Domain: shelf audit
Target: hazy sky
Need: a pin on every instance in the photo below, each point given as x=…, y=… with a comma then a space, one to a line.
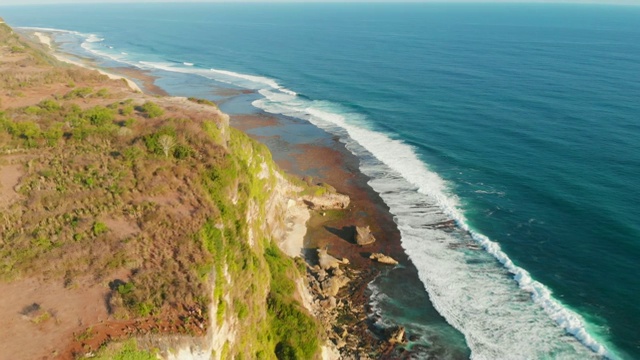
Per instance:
x=25, y=2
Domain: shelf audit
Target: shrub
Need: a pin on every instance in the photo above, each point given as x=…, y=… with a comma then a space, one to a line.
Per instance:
x=182, y=151
x=99, y=228
x=102, y=93
x=127, y=351
x=27, y=130
x=53, y=135
x=80, y=92
x=132, y=153
x=32, y=110
x=49, y=105
x=129, y=122
x=99, y=115
x=125, y=289
x=127, y=110
x=284, y=351
x=151, y=110
x=203, y=101
x=153, y=142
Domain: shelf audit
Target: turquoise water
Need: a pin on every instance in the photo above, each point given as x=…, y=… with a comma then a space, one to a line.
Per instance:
x=521, y=122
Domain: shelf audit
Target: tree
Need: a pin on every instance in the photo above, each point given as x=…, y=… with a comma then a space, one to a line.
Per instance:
x=167, y=142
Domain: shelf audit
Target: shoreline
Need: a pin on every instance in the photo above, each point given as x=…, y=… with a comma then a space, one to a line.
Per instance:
x=339, y=168
x=332, y=163
x=46, y=40
x=307, y=229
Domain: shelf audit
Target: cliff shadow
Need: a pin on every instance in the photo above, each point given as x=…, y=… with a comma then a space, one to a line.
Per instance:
x=346, y=233
x=311, y=256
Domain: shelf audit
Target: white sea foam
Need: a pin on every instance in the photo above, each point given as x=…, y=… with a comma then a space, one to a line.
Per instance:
x=255, y=79
x=476, y=297
x=49, y=30
x=187, y=64
x=92, y=38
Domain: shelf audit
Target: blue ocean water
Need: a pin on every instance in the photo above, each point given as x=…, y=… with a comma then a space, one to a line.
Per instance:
x=521, y=122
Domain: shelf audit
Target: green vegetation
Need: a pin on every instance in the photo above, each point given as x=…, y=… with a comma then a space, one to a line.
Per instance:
x=78, y=93
x=99, y=228
x=17, y=49
x=287, y=331
x=295, y=332
x=99, y=115
x=203, y=102
x=151, y=110
x=127, y=110
x=124, y=351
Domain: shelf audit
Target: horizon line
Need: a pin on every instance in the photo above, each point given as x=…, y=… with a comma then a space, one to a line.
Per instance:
x=302, y=2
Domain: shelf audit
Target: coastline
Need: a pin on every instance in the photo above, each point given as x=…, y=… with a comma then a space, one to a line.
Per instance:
x=326, y=160
x=308, y=230
x=46, y=40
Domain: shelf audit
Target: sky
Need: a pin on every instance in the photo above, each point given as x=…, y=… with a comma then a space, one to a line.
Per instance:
x=53, y=2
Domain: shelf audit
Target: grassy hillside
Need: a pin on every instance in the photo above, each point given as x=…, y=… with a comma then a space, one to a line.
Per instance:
x=156, y=200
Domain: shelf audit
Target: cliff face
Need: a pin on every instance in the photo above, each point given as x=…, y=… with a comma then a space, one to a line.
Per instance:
x=254, y=287
x=130, y=217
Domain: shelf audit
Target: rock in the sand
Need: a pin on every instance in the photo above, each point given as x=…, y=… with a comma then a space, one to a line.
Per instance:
x=329, y=303
x=364, y=236
x=331, y=286
x=327, y=261
x=322, y=274
x=327, y=201
x=383, y=259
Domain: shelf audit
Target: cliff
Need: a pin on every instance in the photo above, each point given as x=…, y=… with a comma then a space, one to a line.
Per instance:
x=138, y=225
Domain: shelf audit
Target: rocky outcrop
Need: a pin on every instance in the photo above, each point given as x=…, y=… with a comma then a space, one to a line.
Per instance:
x=332, y=285
x=364, y=236
x=327, y=261
x=383, y=259
x=396, y=335
x=327, y=201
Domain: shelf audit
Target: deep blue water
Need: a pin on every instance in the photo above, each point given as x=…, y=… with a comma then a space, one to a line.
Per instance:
x=521, y=122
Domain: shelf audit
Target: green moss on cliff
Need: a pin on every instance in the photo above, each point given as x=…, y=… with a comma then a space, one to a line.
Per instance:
x=240, y=189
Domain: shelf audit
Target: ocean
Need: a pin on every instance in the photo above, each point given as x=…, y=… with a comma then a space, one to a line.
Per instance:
x=520, y=122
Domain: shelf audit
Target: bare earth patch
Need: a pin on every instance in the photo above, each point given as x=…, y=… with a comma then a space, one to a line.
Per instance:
x=9, y=177
x=38, y=316
x=122, y=228
x=173, y=203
